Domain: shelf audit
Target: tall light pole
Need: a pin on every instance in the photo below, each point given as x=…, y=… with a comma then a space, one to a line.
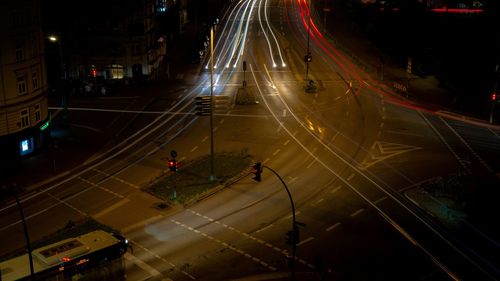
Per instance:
x=212, y=161
x=26, y=235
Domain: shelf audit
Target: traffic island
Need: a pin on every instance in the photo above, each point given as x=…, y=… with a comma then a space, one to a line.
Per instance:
x=459, y=200
x=245, y=96
x=191, y=182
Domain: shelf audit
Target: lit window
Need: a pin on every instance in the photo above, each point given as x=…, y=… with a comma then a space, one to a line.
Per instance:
x=21, y=85
x=19, y=51
x=25, y=118
x=117, y=71
x=37, y=113
x=162, y=6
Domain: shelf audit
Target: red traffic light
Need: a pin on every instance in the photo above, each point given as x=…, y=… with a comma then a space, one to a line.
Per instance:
x=494, y=96
x=172, y=165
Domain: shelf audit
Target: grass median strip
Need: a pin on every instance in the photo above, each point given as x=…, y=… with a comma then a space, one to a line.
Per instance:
x=192, y=180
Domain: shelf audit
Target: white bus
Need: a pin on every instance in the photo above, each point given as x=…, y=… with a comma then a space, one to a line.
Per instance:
x=66, y=258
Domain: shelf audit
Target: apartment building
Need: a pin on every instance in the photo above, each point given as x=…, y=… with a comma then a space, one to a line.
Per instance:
x=24, y=116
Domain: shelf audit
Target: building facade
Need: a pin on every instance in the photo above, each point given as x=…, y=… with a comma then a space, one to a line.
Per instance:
x=24, y=113
x=115, y=39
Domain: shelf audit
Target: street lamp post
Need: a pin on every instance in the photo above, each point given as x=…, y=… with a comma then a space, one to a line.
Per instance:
x=212, y=161
x=25, y=228
x=64, y=96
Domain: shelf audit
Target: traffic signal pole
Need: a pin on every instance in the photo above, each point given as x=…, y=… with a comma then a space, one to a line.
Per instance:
x=295, y=231
x=494, y=95
x=308, y=30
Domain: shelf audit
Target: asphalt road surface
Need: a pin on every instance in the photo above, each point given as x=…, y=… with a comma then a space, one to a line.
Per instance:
x=347, y=152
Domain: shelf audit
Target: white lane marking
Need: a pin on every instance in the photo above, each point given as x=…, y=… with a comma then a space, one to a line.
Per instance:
x=310, y=164
x=222, y=121
x=292, y=179
x=466, y=168
x=117, y=179
x=330, y=228
x=380, y=200
x=357, y=212
x=193, y=149
x=495, y=133
x=336, y=189
x=286, y=142
x=144, y=266
x=63, y=202
x=111, y=208
x=467, y=145
x=141, y=223
x=100, y=187
x=291, y=215
x=319, y=201
x=260, y=241
x=264, y=228
x=204, y=139
x=284, y=112
x=276, y=152
x=305, y=241
x=385, y=150
x=161, y=258
x=350, y=177
x=236, y=250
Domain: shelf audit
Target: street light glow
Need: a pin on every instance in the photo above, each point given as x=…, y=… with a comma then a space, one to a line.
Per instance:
x=53, y=38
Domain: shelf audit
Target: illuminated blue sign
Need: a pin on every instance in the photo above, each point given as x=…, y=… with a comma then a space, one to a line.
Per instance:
x=26, y=146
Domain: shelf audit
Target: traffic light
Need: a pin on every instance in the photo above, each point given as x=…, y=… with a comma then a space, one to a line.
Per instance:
x=494, y=96
x=308, y=58
x=292, y=237
x=257, y=170
x=203, y=105
x=172, y=165
x=289, y=237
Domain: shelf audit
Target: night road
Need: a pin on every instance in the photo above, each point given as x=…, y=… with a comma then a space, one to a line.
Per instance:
x=355, y=153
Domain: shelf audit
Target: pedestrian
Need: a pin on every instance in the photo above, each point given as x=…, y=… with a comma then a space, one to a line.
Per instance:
x=103, y=91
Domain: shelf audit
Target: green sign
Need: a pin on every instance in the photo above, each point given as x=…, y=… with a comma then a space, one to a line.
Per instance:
x=44, y=126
